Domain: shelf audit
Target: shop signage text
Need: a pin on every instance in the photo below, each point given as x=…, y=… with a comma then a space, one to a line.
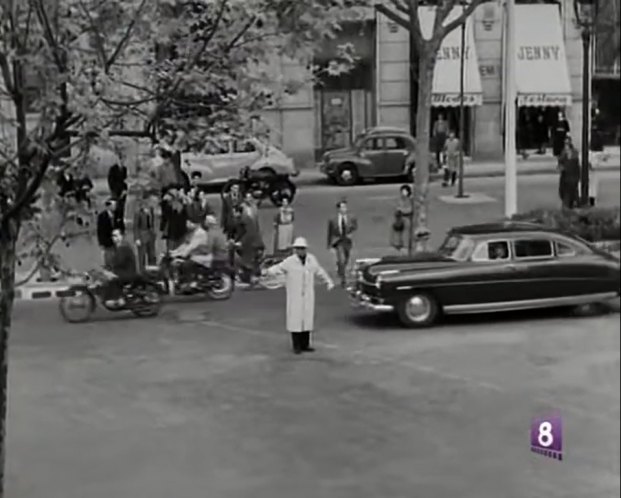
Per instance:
x=537, y=53
x=452, y=99
x=451, y=53
x=544, y=100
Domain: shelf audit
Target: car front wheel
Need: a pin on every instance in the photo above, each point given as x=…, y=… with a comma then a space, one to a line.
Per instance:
x=347, y=175
x=418, y=310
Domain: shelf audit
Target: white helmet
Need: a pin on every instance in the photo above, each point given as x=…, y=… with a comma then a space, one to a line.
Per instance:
x=300, y=243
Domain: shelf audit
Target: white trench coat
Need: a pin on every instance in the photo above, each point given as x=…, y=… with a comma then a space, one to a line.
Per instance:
x=300, y=286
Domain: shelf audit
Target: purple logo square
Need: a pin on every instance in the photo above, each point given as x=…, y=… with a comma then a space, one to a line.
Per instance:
x=546, y=436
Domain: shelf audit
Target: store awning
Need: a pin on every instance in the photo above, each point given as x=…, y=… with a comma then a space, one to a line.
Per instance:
x=541, y=65
x=445, y=92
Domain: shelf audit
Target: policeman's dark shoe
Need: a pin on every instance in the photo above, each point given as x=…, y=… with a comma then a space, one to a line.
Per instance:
x=308, y=350
x=297, y=351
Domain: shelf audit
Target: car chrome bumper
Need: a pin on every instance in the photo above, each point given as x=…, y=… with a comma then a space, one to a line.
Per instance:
x=360, y=300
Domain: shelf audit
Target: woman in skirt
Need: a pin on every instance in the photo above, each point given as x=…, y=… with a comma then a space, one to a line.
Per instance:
x=283, y=227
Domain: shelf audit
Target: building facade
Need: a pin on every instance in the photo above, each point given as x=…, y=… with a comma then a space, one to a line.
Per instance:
x=549, y=67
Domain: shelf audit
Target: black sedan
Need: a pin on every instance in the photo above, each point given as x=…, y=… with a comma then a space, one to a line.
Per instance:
x=488, y=268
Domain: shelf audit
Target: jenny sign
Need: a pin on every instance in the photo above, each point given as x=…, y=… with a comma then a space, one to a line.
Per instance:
x=539, y=53
x=452, y=53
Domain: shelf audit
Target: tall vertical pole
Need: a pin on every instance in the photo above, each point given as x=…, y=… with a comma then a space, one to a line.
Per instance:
x=462, y=117
x=510, y=114
x=377, y=68
x=586, y=109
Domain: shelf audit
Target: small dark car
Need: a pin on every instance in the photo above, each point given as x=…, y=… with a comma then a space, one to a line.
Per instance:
x=382, y=152
x=488, y=268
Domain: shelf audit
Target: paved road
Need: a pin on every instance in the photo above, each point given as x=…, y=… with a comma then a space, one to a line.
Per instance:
x=373, y=204
x=207, y=400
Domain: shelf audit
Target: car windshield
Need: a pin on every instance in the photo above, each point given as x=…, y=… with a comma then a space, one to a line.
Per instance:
x=359, y=140
x=456, y=247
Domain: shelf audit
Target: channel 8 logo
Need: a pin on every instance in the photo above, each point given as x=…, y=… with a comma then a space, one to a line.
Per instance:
x=546, y=436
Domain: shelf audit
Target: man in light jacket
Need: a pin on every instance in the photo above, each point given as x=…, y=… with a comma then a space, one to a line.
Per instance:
x=300, y=270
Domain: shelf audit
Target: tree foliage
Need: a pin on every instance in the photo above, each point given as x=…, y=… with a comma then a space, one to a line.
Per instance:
x=201, y=67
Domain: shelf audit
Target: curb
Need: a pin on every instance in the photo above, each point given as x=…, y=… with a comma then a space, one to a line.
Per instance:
x=312, y=176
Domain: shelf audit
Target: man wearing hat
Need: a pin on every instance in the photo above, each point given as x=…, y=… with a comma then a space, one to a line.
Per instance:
x=300, y=270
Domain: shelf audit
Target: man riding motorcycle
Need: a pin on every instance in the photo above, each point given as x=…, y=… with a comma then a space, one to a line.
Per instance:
x=217, y=243
x=194, y=251
x=121, y=270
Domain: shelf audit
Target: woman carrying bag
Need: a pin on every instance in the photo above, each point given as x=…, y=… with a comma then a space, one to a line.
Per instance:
x=400, y=228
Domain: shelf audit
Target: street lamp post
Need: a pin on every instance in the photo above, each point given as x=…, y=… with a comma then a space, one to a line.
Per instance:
x=462, y=117
x=585, y=12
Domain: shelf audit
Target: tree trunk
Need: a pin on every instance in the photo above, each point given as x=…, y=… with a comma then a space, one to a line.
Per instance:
x=8, y=242
x=426, y=65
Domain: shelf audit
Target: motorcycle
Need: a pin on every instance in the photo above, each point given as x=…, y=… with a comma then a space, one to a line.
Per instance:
x=216, y=282
x=78, y=303
x=263, y=184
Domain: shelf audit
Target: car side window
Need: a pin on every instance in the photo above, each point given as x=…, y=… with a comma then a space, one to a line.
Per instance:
x=244, y=147
x=373, y=144
x=532, y=248
x=395, y=143
x=497, y=250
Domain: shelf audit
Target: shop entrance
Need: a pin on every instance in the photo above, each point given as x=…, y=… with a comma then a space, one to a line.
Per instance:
x=534, y=129
x=451, y=114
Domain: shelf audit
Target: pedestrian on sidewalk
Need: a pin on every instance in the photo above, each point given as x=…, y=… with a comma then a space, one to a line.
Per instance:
x=400, y=229
x=559, y=134
x=340, y=231
x=174, y=220
x=541, y=132
x=283, y=227
x=440, y=132
x=107, y=223
x=452, y=151
x=117, y=183
x=569, y=177
x=300, y=270
x=144, y=231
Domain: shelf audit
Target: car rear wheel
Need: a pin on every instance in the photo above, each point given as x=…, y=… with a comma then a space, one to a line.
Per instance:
x=418, y=310
x=347, y=175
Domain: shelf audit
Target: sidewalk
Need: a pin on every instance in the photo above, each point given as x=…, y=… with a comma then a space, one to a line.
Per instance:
x=533, y=165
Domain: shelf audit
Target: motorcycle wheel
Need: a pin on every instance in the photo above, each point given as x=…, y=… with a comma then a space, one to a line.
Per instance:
x=77, y=308
x=151, y=296
x=228, y=185
x=224, y=289
x=280, y=189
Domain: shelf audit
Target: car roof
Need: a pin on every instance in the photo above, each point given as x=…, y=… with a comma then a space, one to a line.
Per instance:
x=504, y=227
x=385, y=129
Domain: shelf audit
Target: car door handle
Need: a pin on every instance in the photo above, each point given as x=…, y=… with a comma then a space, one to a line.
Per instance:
x=511, y=267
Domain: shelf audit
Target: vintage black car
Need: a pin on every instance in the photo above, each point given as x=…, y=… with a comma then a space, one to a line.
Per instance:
x=486, y=268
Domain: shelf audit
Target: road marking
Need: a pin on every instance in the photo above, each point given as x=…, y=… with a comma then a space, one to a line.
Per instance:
x=378, y=358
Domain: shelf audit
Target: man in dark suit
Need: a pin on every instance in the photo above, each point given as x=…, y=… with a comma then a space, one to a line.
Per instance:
x=251, y=245
x=340, y=231
x=106, y=224
x=230, y=201
x=144, y=231
x=117, y=183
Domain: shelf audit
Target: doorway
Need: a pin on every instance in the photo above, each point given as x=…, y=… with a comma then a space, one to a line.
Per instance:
x=451, y=114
